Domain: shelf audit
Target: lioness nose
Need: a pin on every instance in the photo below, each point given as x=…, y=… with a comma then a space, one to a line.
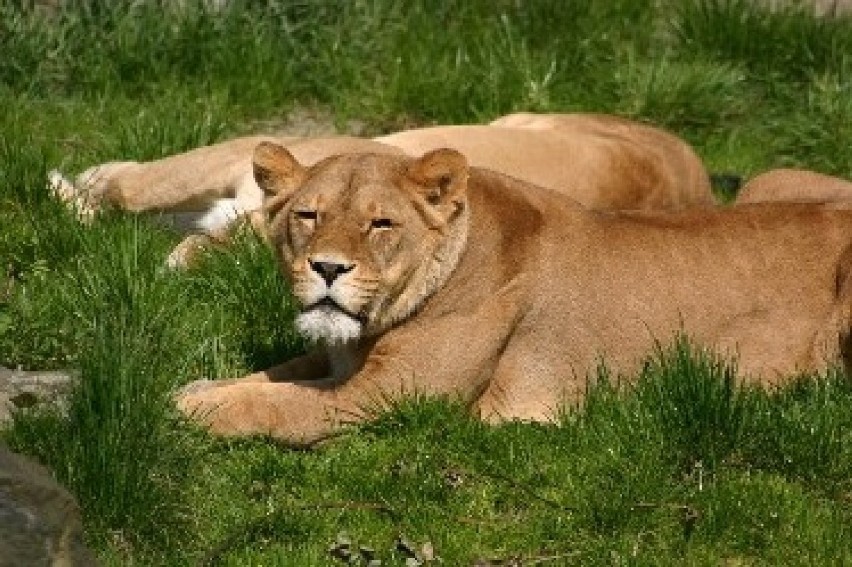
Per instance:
x=330, y=270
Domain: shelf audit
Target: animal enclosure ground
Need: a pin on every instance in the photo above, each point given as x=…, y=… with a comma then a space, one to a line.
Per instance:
x=682, y=469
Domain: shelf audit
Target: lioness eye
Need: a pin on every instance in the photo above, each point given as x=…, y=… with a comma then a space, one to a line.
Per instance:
x=381, y=223
x=307, y=215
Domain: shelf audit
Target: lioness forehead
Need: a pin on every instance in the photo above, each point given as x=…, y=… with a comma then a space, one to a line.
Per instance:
x=356, y=181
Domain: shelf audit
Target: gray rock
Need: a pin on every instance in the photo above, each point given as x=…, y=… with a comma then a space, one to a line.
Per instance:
x=39, y=520
x=23, y=389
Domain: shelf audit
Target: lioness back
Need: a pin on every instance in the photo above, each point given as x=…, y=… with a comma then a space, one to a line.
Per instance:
x=757, y=283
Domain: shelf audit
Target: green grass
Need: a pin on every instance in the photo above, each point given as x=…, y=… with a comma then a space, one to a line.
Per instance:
x=683, y=468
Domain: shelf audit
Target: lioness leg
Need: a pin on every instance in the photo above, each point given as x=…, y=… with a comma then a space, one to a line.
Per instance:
x=530, y=384
x=290, y=404
x=300, y=413
x=186, y=253
x=312, y=366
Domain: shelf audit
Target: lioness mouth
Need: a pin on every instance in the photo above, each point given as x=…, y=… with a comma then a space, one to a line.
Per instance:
x=327, y=303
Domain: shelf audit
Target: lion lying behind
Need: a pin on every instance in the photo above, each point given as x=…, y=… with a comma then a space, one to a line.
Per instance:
x=602, y=161
x=424, y=275
x=795, y=185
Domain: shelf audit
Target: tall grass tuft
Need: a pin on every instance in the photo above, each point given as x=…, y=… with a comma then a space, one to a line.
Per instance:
x=803, y=432
x=243, y=286
x=819, y=137
x=133, y=334
x=23, y=176
x=787, y=41
x=692, y=97
x=694, y=396
x=183, y=121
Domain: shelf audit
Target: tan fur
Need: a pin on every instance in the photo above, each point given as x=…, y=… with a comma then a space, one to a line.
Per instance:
x=602, y=161
x=507, y=296
x=193, y=180
x=795, y=185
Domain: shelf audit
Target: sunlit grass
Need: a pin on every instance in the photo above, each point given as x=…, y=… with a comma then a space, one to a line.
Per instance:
x=686, y=467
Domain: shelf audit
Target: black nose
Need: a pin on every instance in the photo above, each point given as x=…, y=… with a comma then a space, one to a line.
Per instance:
x=330, y=270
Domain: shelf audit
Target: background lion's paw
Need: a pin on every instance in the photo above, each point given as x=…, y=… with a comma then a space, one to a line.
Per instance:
x=60, y=187
x=66, y=192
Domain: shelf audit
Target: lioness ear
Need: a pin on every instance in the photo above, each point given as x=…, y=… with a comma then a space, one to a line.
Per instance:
x=276, y=171
x=441, y=177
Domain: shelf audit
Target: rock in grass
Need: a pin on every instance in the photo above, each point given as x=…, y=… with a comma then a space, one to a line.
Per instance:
x=23, y=389
x=39, y=520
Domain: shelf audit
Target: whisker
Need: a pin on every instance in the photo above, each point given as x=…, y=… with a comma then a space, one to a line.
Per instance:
x=356, y=286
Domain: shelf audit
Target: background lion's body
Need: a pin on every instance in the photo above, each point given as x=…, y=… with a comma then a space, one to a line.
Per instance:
x=601, y=161
x=795, y=185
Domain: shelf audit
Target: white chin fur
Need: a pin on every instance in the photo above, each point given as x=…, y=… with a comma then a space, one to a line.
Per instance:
x=328, y=325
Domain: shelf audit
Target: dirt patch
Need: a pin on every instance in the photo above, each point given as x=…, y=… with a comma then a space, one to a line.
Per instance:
x=821, y=7
x=305, y=121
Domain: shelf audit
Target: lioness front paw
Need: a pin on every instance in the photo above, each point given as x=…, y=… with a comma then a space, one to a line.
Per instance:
x=287, y=412
x=60, y=187
x=238, y=410
x=225, y=410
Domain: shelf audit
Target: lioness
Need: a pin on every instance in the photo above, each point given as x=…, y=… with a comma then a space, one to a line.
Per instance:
x=795, y=185
x=425, y=275
x=602, y=161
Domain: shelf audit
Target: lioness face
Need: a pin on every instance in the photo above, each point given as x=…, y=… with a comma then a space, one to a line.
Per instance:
x=364, y=239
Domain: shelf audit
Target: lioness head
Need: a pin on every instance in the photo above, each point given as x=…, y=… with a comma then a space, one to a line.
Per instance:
x=364, y=239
